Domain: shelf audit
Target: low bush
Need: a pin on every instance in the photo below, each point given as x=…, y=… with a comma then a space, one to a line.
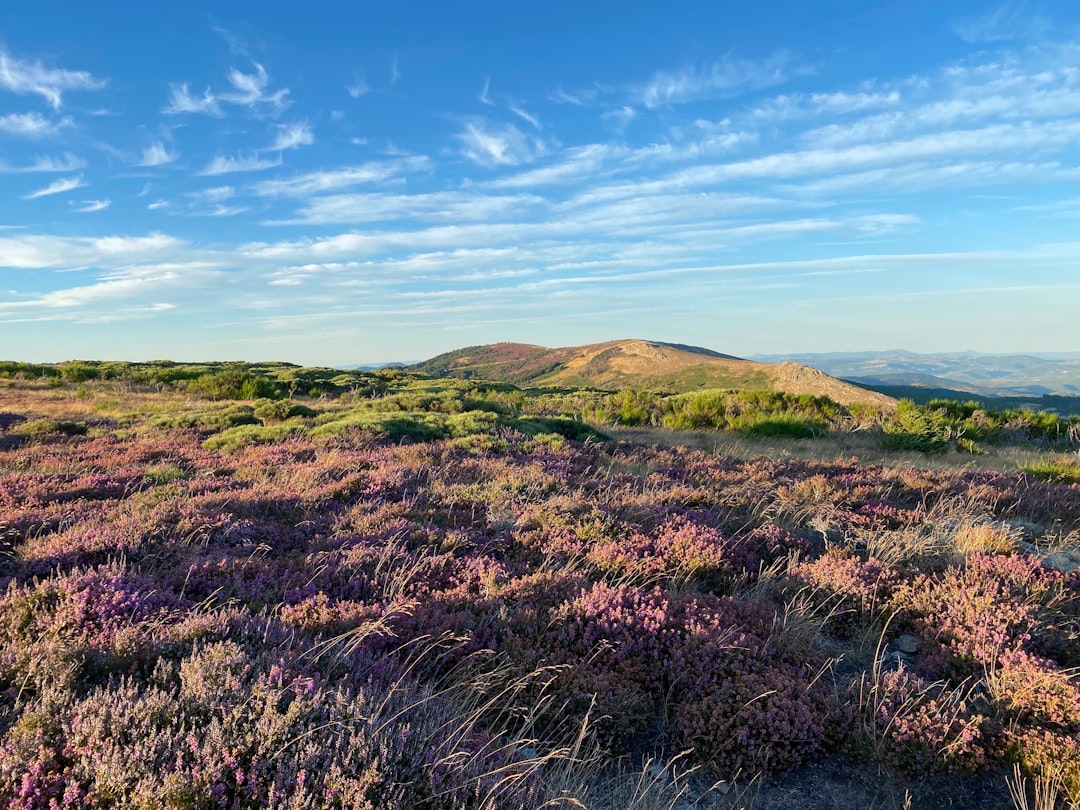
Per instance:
x=915, y=428
x=244, y=435
x=269, y=410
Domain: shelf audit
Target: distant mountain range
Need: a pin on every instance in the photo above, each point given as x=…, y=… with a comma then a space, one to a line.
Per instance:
x=639, y=364
x=1016, y=375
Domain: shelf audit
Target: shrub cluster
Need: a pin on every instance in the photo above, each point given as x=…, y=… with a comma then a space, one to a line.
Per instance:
x=356, y=621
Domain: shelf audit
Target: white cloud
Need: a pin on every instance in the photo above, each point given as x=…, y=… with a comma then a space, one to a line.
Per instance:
x=450, y=206
x=317, y=182
x=358, y=88
x=877, y=224
x=216, y=194
x=157, y=154
x=49, y=83
x=57, y=187
x=580, y=163
x=725, y=77
x=43, y=163
x=157, y=205
x=250, y=163
x=32, y=125
x=489, y=145
x=484, y=98
x=181, y=101
x=525, y=115
x=249, y=89
x=1009, y=20
x=292, y=136
x=89, y=206
x=36, y=251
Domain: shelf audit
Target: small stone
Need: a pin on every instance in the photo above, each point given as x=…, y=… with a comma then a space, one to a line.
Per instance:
x=1062, y=561
x=906, y=644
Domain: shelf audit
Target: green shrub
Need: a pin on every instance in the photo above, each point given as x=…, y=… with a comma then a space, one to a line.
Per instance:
x=237, y=437
x=1061, y=472
x=54, y=427
x=270, y=410
x=210, y=420
x=164, y=474
x=233, y=384
x=567, y=428
x=784, y=425
x=916, y=428
x=395, y=426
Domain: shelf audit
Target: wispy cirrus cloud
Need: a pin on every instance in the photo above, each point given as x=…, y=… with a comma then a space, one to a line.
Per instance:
x=1009, y=20
x=304, y=185
x=157, y=154
x=248, y=90
x=725, y=77
x=182, y=101
x=222, y=164
x=68, y=162
x=484, y=98
x=32, y=125
x=35, y=251
x=216, y=194
x=445, y=206
x=89, y=206
x=490, y=144
x=525, y=115
x=359, y=87
x=292, y=136
x=25, y=77
x=57, y=187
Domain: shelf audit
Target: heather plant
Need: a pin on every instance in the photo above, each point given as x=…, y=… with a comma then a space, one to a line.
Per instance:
x=371, y=619
x=916, y=725
x=854, y=591
x=984, y=610
x=271, y=734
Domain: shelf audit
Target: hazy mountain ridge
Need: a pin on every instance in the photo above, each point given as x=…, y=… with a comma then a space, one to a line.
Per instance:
x=640, y=364
x=970, y=372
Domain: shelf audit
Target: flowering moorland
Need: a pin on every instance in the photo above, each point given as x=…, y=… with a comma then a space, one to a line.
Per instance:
x=334, y=619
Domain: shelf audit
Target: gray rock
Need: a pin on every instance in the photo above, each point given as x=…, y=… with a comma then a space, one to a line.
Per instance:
x=906, y=644
x=1065, y=561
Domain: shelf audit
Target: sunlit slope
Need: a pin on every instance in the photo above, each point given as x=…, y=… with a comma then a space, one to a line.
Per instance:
x=639, y=364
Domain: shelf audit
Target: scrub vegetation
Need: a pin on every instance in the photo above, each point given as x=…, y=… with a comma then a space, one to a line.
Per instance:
x=258, y=585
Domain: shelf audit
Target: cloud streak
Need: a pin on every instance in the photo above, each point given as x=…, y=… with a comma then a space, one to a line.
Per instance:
x=222, y=164
x=723, y=78
x=33, y=78
x=32, y=125
x=292, y=136
x=60, y=186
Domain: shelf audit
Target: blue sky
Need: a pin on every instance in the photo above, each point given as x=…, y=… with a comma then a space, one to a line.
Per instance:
x=349, y=182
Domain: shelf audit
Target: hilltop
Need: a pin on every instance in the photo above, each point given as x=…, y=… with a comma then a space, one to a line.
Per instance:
x=639, y=364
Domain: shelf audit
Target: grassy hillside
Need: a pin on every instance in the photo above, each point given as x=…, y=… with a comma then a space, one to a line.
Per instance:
x=640, y=365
